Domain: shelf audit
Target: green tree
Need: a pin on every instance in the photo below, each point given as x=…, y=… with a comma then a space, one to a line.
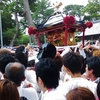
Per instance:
x=7, y=21
x=23, y=40
x=32, y=4
x=8, y=24
x=42, y=11
x=10, y=8
x=10, y=27
x=75, y=10
x=92, y=10
x=8, y=35
x=17, y=8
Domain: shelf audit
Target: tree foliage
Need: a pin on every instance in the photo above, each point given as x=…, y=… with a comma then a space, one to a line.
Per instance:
x=32, y=4
x=39, y=9
x=8, y=35
x=92, y=9
x=7, y=21
x=42, y=11
x=75, y=10
x=23, y=39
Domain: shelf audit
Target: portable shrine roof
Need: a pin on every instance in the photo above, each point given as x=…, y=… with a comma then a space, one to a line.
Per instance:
x=53, y=21
x=56, y=21
x=95, y=29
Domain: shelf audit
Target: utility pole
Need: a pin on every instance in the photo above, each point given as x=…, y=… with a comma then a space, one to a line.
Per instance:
x=1, y=29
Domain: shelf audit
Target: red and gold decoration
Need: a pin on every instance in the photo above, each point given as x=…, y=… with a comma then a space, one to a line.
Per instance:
x=68, y=20
x=71, y=30
x=62, y=33
x=89, y=24
x=56, y=37
x=33, y=31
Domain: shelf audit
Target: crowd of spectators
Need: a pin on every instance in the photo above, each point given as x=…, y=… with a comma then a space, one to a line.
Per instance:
x=47, y=74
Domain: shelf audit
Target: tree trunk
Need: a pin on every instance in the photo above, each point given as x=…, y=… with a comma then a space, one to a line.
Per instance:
x=17, y=30
x=28, y=13
x=28, y=17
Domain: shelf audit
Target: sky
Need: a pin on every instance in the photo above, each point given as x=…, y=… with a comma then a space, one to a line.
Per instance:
x=68, y=2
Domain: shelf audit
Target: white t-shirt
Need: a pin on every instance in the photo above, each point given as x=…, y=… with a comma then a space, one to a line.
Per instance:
x=29, y=93
x=31, y=77
x=82, y=53
x=77, y=82
x=52, y=95
x=97, y=80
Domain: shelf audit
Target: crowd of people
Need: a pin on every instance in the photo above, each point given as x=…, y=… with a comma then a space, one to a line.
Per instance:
x=46, y=74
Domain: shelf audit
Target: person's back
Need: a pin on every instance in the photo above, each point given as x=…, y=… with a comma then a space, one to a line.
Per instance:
x=31, y=79
x=28, y=93
x=15, y=72
x=72, y=64
x=29, y=74
x=47, y=76
x=77, y=82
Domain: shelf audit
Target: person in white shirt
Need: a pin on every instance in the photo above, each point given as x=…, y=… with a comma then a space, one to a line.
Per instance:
x=72, y=65
x=47, y=75
x=29, y=74
x=93, y=69
x=16, y=73
x=31, y=80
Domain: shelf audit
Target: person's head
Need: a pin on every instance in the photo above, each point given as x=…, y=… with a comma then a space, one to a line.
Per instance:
x=4, y=60
x=72, y=63
x=4, y=51
x=80, y=93
x=47, y=73
x=22, y=58
x=31, y=63
x=98, y=89
x=93, y=67
x=8, y=90
x=15, y=72
x=20, y=49
x=47, y=50
x=96, y=53
x=58, y=61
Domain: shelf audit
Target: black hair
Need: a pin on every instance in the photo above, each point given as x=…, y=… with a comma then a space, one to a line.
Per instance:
x=88, y=54
x=58, y=61
x=73, y=62
x=47, y=70
x=22, y=58
x=20, y=49
x=94, y=63
x=47, y=50
x=31, y=63
x=4, y=60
